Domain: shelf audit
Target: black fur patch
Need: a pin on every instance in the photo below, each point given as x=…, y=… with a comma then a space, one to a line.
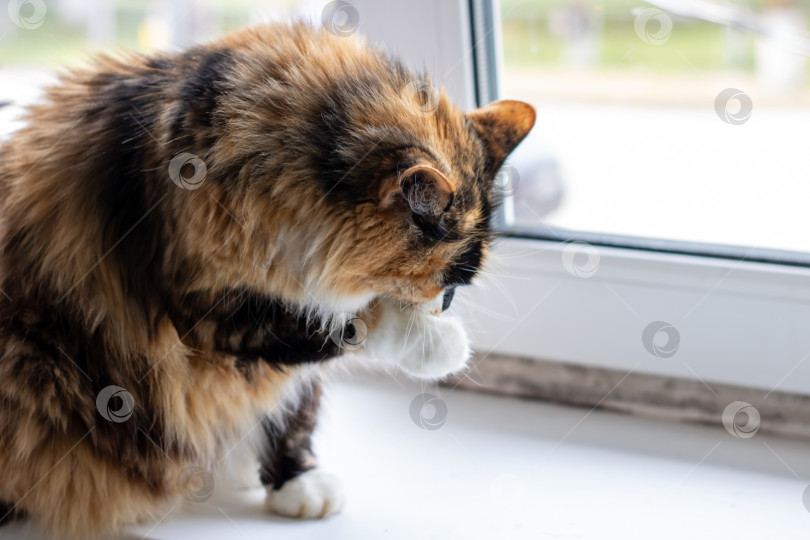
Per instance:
x=198, y=93
x=253, y=328
x=9, y=513
x=465, y=266
x=329, y=128
x=289, y=446
x=120, y=190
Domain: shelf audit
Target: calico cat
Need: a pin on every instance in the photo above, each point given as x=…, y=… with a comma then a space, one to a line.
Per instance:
x=189, y=240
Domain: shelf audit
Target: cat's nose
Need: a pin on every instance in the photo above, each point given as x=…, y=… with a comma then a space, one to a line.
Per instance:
x=447, y=299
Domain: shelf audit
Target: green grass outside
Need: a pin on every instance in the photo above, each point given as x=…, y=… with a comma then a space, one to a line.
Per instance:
x=529, y=43
x=523, y=9
x=693, y=47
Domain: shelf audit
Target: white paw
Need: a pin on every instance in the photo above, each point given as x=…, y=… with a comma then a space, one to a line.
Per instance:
x=312, y=495
x=420, y=343
x=440, y=350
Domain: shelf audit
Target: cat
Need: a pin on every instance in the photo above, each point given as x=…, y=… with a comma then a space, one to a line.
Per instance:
x=190, y=240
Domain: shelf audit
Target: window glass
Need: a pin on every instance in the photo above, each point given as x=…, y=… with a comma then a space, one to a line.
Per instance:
x=681, y=120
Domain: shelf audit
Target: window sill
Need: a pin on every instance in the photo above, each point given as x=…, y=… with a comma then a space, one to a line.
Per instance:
x=505, y=468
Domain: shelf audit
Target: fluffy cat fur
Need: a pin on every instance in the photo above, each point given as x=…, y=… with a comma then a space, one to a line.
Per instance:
x=147, y=324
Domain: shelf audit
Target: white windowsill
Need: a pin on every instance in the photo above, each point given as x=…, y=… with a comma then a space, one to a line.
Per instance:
x=503, y=468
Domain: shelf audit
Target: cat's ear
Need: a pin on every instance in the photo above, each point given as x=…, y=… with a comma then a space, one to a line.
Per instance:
x=426, y=190
x=502, y=125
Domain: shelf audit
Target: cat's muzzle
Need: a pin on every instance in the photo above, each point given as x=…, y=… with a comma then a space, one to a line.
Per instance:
x=440, y=303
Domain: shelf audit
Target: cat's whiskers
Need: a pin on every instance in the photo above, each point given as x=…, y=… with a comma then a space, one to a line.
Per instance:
x=411, y=322
x=469, y=304
x=494, y=279
x=493, y=272
x=424, y=335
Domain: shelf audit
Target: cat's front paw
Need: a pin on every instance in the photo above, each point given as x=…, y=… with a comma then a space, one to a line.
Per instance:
x=418, y=342
x=311, y=495
x=439, y=348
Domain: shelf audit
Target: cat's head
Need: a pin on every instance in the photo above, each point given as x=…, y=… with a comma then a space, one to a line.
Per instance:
x=353, y=176
x=424, y=206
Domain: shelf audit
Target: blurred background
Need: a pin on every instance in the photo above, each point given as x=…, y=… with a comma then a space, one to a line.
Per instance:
x=673, y=120
x=681, y=120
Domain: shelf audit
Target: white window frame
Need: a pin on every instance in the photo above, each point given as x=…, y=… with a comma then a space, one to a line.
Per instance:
x=738, y=322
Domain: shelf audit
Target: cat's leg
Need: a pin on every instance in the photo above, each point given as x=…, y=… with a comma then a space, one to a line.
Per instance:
x=295, y=486
x=256, y=331
x=75, y=472
x=416, y=340
x=252, y=328
x=67, y=488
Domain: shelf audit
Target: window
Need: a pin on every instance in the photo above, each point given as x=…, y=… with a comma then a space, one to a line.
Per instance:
x=651, y=230
x=683, y=124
